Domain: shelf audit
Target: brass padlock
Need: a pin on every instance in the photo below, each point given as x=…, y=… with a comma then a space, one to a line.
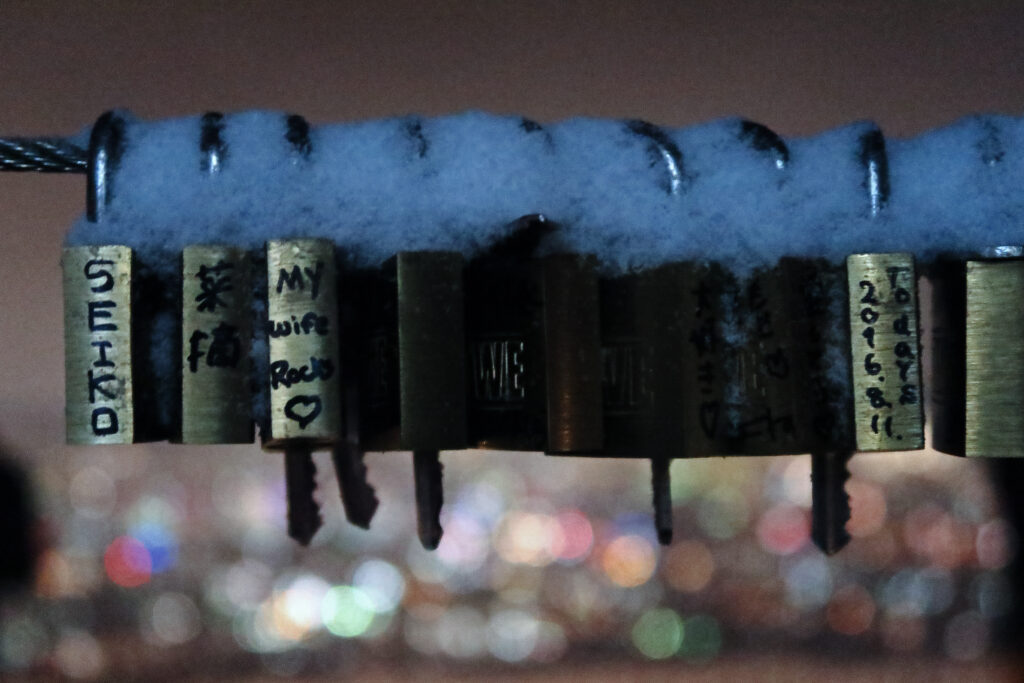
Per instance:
x=535, y=354
x=705, y=418
x=978, y=360
x=412, y=391
x=779, y=399
x=645, y=352
x=216, y=338
x=99, y=347
x=413, y=386
x=303, y=353
x=885, y=352
x=644, y=349
x=507, y=399
x=572, y=354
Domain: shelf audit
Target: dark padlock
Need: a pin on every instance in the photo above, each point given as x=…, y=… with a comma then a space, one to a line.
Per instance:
x=413, y=394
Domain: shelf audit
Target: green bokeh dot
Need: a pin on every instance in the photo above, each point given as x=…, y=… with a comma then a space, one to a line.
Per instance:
x=658, y=633
x=347, y=612
x=703, y=638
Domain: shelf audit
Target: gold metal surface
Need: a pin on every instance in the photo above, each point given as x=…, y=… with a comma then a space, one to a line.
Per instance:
x=995, y=359
x=885, y=352
x=302, y=326
x=99, y=407
x=216, y=336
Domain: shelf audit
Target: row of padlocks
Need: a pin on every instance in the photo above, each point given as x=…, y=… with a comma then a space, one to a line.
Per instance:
x=541, y=354
x=511, y=350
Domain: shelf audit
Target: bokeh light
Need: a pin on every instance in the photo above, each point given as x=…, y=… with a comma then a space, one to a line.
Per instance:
x=381, y=582
x=79, y=655
x=512, y=634
x=867, y=508
x=702, y=638
x=996, y=544
x=689, y=566
x=347, y=611
x=783, y=529
x=576, y=539
x=22, y=640
x=915, y=593
x=174, y=619
x=160, y=544
x=851, y=610
x=658, y=633
x=723, y=512
x=808, y=581
x=127, y=562
x=966, y=636
x=523, y=576
x=92, y=493
x=903, y=634
x=529, y=538
x=629, y=561
x=461, y=632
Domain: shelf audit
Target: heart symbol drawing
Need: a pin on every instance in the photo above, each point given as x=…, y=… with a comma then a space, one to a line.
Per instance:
x=309, y=408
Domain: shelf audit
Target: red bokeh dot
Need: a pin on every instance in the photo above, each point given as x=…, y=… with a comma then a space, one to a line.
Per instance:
x=127, y=562
x=783, y=529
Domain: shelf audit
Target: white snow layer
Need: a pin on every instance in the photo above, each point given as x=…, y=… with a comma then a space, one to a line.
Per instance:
x=631, y=193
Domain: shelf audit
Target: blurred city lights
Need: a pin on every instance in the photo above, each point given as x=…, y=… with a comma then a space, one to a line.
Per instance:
x=783, y=529
x=79, y=655
x=903, y=634
x=160, y=544
x=996, y=544
x=629, y=561
x=551, y=642
x=914, y=593
x=702, y=638
x=522, y=575
x=22, y=639
x=867, y=508
x=808, y=581
x=722, y=512
x=127, y=562
x=174, y=619
x=796, y=479
x=689, y=566
x=382, y=582
x=966, y=636
x=92, y=493
x=54, y=578
x=576, y=538
x=993, y=595
x=528, y=538
x=658, y=633
x=461, y=632
x=297, y=606
x=465, y=543
x=512, y=634
x=347, y=612
x=851, y=610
